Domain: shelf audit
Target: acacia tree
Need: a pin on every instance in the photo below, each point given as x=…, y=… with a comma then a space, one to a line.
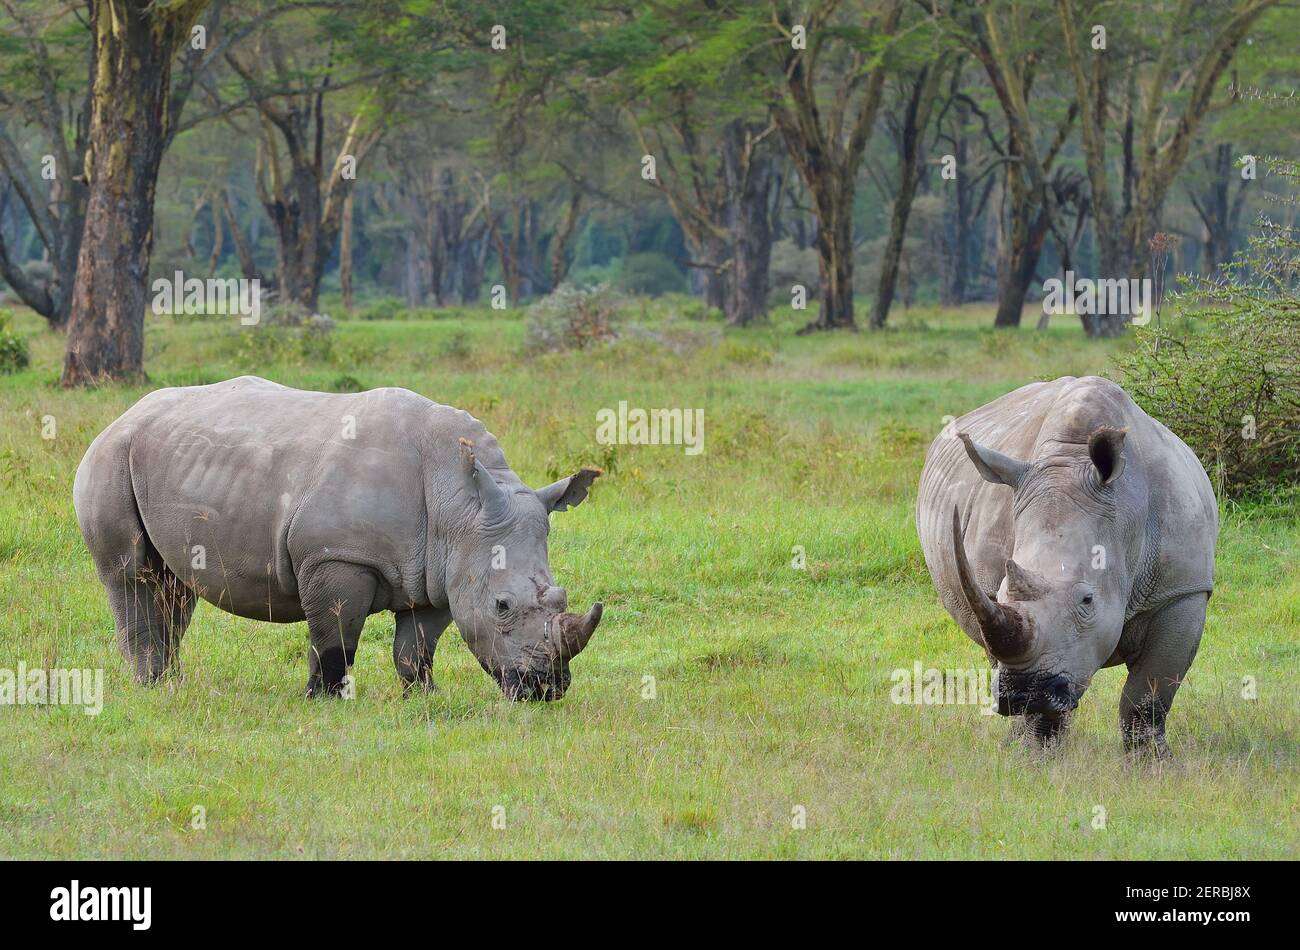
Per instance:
x=919, y=95
x=302, y=183
x=685, y=93
x=135, y=43
x=1191, y=52
x=43, y=87
x=827, y=82
x=1008, y=42
x=977, y=150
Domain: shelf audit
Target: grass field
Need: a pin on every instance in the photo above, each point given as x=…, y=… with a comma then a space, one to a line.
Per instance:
x=771, y=684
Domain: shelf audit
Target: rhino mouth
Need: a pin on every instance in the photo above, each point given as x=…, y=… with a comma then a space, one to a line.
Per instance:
x=541, y=671
x=527, y=685
x=1026, y=694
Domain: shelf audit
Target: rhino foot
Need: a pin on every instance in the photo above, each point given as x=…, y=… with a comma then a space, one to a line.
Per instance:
x=424, y=685
x=1042, y=733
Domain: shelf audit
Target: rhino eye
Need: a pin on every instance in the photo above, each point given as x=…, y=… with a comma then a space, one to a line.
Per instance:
x=1087, y=600
x=505, y=605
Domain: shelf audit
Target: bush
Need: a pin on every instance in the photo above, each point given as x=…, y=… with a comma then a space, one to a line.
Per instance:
x=13, y=348
x=570, y=318
x=457, y=347
x=312, y=342
x=1224, y=375
x=284, y=315
x=652, y=274
x=1231, y=391
x=346, y=384
x=385, y=308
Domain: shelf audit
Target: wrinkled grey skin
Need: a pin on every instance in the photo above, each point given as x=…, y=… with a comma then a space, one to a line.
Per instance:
x=1030, y=489
x=284, y=505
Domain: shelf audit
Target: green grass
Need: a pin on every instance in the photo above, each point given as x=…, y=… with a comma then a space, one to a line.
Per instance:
x=771, y=684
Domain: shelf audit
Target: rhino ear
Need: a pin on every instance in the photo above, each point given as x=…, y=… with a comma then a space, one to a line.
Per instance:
x=994, y=466
x=567, y=492
x=493, y=501
x=1106, y=449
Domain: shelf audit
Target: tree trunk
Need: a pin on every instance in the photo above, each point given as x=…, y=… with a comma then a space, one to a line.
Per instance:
x=243, y=249
x=560, y=262
x=473, y=258
x=1017, y=265
x=134, y=43
x=750, y=265
x=919, y=105
x=751, y=171
x=297, y=220
x=958, y=228
x=345, y=254
x=411, y=281
x=717, y=280
x=834, y=244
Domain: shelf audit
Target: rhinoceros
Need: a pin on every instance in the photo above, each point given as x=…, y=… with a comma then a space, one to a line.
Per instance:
x=282, y=505
x=1066, y=531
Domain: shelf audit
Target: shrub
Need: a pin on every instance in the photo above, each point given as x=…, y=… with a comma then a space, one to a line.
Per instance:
x=283, y=315
x=652, y=274
x=385, y=308
x=457, y=347
x=13, y=348
x=1224, y=374
x=570, y=318
x=745, y=353
x=1230, y=390
x=312, y=342
x=346, y=384
x=692, y=308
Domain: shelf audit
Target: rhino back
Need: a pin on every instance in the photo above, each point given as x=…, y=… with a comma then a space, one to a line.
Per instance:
x=267, y=482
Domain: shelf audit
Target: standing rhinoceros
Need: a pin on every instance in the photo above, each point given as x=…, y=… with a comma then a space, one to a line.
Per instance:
x=1066, y=530
x=282, y=505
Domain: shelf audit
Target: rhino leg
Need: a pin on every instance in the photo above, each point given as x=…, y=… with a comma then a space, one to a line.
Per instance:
x=1172, y=636
x=151, y=609
x=338, y=600
x=417, y=637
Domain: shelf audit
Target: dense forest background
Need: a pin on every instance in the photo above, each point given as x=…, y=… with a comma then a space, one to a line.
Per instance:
x=877, y=154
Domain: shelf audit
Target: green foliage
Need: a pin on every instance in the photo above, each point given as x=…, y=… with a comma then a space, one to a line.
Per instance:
x=384, y=308
x=652, y=274
x=1224, y=375
x=457, y=347
x=268, y=344
x=13, y=349
x=346, y=384
x=1229, y=388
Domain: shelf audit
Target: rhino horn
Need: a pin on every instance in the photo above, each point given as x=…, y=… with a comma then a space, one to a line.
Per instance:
x=1024, y=584
x=1006, y=635
x=575, y=631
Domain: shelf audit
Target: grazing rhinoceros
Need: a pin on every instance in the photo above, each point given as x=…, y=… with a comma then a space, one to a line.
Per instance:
x=282, y=505
x=1066, y=530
